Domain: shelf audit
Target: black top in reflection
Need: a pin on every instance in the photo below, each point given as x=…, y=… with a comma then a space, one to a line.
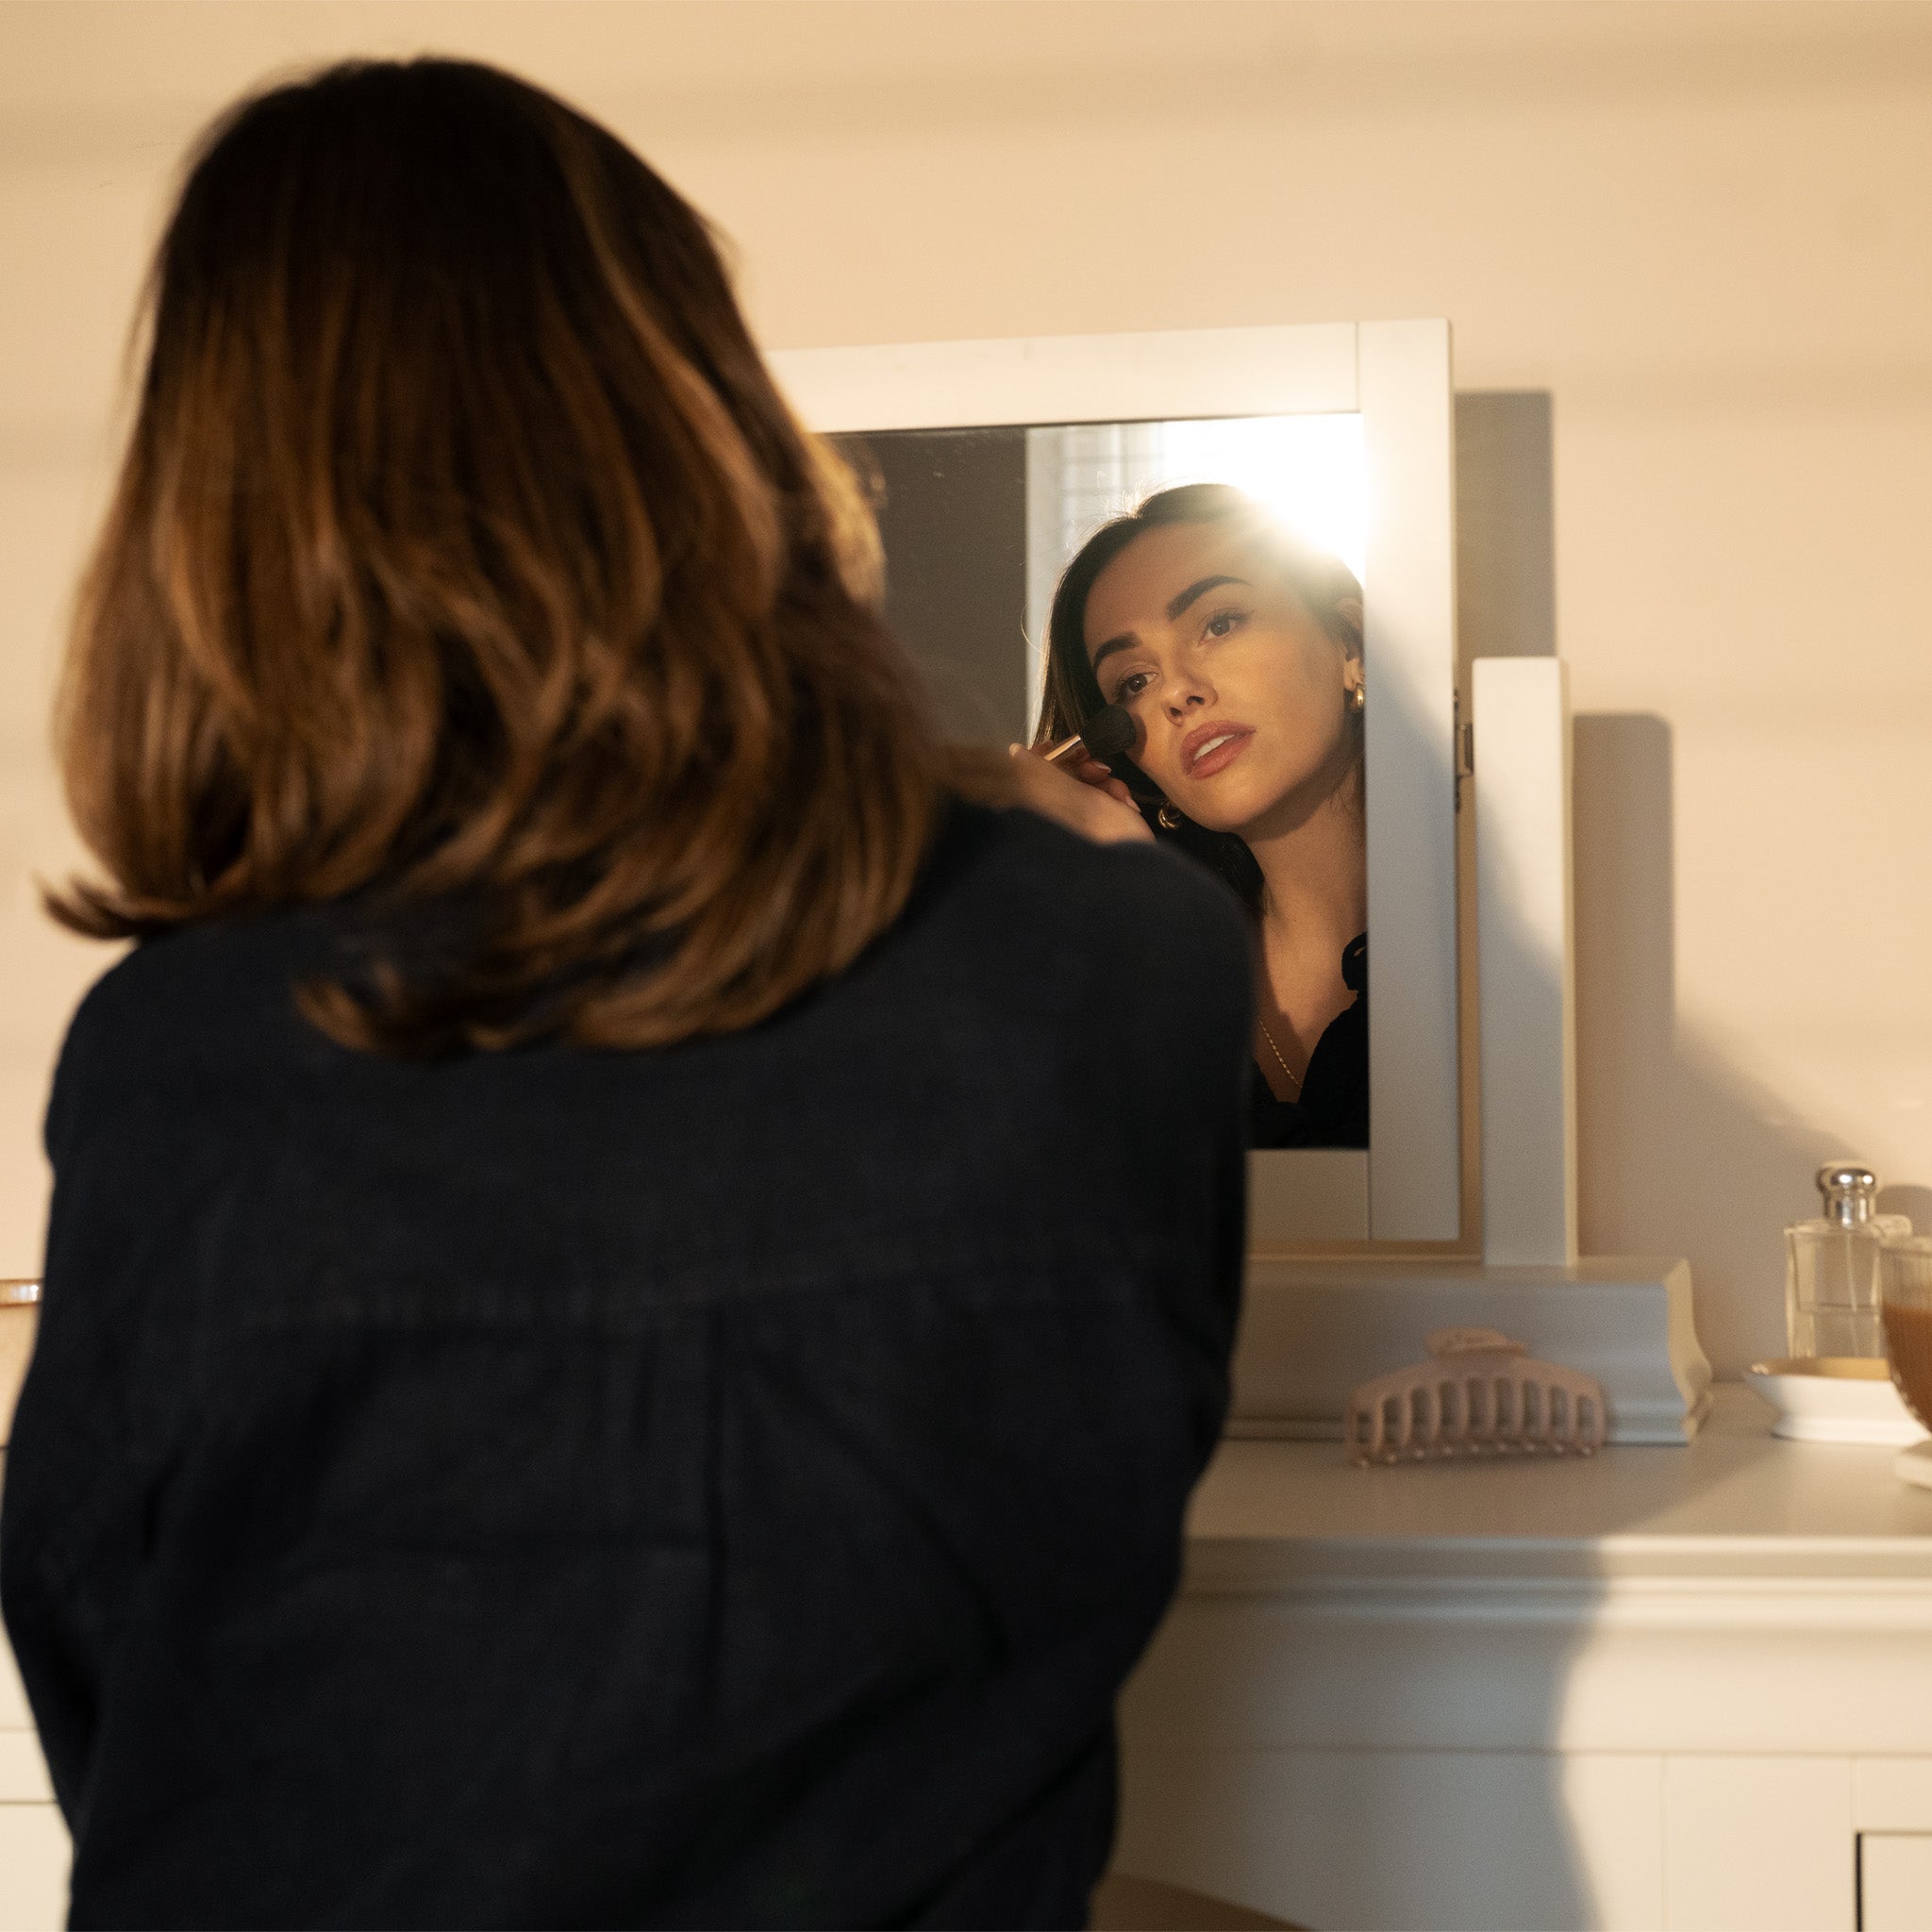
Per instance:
x=1332, y=1109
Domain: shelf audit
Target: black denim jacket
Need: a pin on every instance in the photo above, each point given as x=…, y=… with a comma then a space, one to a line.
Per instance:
x=718, y=1486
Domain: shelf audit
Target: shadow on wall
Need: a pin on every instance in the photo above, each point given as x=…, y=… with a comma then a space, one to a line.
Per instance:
x=1506, y=545
x=1680, y=1152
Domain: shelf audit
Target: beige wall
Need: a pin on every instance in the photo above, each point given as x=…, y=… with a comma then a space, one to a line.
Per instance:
x=1703, y=232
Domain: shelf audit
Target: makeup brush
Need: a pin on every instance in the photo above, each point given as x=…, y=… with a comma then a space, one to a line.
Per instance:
x=1103, y=736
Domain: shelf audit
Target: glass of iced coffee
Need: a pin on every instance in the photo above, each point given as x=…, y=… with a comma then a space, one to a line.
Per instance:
x=1905, y=1294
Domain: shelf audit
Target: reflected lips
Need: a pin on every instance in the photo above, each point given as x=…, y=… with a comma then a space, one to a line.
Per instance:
x=1211, y=748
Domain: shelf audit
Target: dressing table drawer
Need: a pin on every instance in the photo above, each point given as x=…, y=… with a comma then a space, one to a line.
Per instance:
x=33, y=1868
x=1895, y=1881
x=34, y=1849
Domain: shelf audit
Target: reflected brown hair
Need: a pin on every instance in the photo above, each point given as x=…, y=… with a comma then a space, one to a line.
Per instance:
x=466, y=560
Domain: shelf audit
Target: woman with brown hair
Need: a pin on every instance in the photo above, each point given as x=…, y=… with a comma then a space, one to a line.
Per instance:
x=626, y=1328
x=1236, y=654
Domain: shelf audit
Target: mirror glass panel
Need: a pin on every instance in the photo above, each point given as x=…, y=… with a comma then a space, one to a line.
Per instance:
x=1228, y=625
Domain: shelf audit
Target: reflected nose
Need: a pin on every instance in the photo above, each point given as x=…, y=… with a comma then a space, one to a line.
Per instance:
x=1187, y=692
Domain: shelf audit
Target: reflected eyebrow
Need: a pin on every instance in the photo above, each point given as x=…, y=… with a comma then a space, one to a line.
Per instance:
x=1200, y=589
x=1127, y=641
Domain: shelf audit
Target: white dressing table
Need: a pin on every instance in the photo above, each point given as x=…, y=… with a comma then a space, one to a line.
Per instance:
x=33, y=1840
x=1672, y=1686
x=1683, y=1687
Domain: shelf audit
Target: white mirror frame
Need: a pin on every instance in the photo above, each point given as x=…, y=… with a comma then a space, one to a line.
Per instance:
x=1396, y=375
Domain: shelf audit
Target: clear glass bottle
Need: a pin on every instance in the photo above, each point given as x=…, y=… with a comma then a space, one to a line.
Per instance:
x=1831, y=1275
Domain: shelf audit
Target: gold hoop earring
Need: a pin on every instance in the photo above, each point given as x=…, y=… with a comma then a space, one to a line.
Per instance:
x=1359, y=699
x=1168, y=819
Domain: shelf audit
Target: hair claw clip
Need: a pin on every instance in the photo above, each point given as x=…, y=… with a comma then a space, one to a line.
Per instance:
x=1478, y=1394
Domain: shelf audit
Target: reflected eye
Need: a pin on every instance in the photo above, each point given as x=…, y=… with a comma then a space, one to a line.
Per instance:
x=1224, y=624
x=1131, y=686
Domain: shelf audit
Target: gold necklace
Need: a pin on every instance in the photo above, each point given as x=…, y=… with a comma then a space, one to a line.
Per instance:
x=1276, y=1052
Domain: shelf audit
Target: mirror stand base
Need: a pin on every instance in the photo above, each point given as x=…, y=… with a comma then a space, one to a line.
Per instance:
x=1312, y=1330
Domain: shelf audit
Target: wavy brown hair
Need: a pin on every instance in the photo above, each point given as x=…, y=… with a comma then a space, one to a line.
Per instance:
x=465, y=562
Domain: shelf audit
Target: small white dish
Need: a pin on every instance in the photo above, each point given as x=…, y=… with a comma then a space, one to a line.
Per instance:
x=1835, y=1398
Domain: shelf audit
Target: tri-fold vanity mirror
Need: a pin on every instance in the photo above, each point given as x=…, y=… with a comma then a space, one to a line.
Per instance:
x=994, y=462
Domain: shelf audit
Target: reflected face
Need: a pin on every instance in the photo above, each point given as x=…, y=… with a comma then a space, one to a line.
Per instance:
x=1242, y=697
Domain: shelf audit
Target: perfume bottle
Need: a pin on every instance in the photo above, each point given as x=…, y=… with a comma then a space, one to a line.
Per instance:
x=1831, y=1275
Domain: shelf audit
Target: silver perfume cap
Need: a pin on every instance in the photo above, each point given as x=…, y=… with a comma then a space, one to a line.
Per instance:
x=1850, y=1190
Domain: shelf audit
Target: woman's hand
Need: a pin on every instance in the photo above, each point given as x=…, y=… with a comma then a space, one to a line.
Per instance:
x=1084, y=796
